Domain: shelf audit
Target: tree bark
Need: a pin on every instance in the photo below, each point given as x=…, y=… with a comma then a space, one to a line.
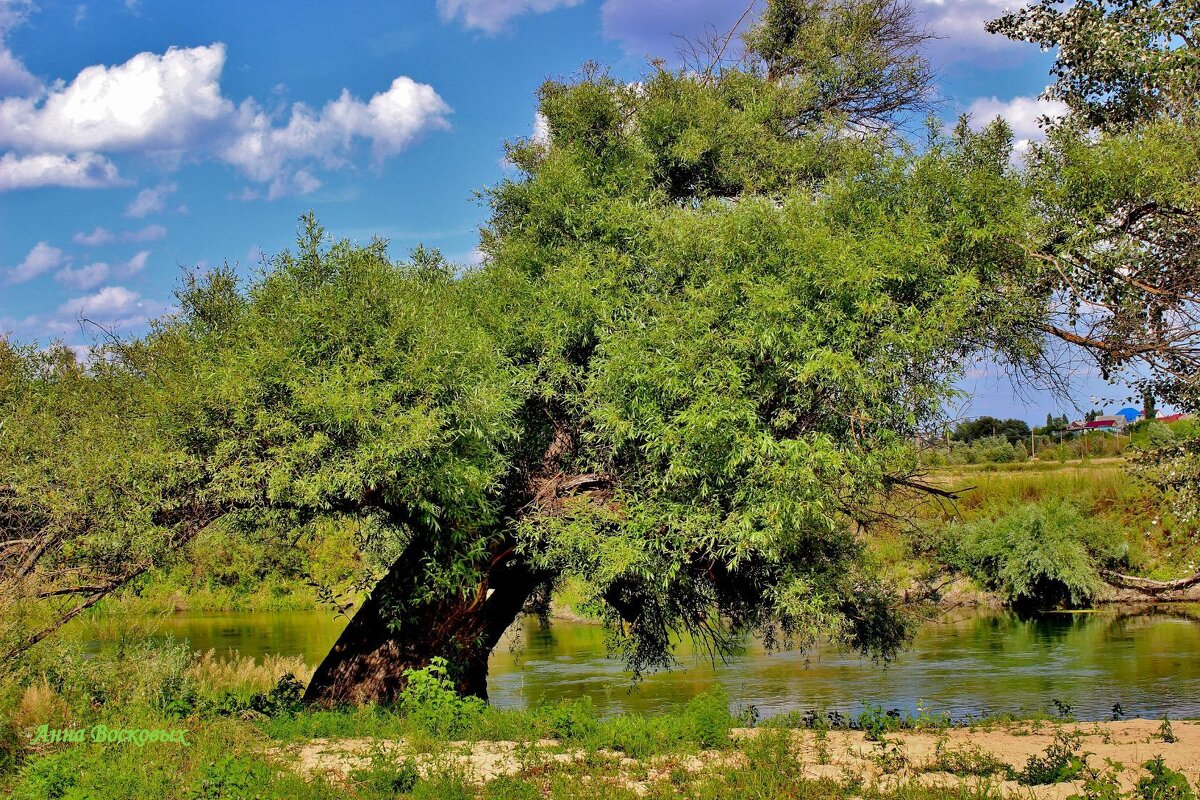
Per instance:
x=368, y=662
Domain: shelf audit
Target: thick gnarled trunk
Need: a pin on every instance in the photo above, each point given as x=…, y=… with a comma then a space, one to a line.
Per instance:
x=368, y=662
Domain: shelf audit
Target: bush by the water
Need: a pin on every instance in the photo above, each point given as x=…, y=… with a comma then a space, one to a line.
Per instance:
x=1038, y=555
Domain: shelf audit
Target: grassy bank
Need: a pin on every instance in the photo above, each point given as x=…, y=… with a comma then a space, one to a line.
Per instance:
x=220, y=573
x=245, y=735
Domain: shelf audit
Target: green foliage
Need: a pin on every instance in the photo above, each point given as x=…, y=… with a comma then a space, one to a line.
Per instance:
x=1102, y=784
x=1163, y=783
x=968, y=761
x=386, y=775
x=1037, y=555
x=573, y=720
x=429, y=699
x=1118, y=61
x=709, y=720
x=1011, y=430
x=1165, y=733
x=1064, y=760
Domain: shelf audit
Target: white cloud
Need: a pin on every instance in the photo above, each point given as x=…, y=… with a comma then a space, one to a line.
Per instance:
x=655, y=27
x=102, y=236
x=114, y=305
x=150, y=103
x=134, y=265
x=150, y=233
x=960, y=24
x=1021, y=113
x=85, y=277
x=541, y=129
x=95, y=274
x=659, y=27
x=390, y=121
x=15, y=79
x=42, y=258
x=151, y=201
x=491, y=16
x=83, y=171
x=171, y=107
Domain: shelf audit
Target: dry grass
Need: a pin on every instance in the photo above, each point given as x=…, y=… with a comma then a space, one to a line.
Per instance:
x=243, y=674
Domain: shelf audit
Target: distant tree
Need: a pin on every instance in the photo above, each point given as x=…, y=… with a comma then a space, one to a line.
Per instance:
x=1013, y=430
x=1149, y=410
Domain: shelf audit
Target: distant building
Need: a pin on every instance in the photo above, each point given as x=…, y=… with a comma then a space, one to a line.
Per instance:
x=1114, y=423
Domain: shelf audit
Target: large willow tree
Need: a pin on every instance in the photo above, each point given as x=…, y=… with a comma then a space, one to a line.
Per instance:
x=715, y=308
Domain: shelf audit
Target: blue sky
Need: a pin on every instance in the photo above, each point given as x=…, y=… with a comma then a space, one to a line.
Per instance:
x=140, y=137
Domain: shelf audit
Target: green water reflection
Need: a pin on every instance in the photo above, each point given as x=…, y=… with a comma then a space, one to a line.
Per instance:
x=1149, y=662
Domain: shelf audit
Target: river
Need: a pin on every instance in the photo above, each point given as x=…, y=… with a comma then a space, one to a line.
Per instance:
x=971, y=664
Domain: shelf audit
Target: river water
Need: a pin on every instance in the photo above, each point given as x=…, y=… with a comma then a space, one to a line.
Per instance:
x=972, y=664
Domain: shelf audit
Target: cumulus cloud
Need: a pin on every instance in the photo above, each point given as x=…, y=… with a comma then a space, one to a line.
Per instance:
x=150, y=103
x=101, y=236
x=1023, y=115
x=151, y=201
x=84, y=277
x=42, y=258
x=959, y=24
x=491, y=16
x=112, y=305
x=541, y=129
x=171, y=106
x=390, y=121
x=83, y=171
x=150, y=233
x=15, y=79
x=134, y=265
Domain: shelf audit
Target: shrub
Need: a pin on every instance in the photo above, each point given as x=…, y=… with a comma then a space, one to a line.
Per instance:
x=1062, y=761
x=572, y=720
x=1163, y=783
x=708, y=719
x=1039, y=555
x=430, y=700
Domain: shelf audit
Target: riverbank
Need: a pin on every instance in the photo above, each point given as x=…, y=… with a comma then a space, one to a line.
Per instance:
x=564, y=752
x=1036, y=759
x=239, y=731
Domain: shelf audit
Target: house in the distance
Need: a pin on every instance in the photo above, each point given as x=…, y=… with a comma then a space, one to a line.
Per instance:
x=1112, y=423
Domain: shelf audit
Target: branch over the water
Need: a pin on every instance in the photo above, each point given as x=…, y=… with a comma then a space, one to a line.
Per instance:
x=1149, y=587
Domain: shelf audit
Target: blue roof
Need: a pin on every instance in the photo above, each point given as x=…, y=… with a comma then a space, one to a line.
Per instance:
x=1130, y=414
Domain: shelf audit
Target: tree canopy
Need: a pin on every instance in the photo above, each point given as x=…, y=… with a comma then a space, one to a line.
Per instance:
x=715, y=311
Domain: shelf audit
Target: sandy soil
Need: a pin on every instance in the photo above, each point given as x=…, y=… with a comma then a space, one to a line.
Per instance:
x=840, y=755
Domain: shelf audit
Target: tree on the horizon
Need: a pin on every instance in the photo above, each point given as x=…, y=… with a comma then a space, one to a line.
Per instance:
x=1013, y=430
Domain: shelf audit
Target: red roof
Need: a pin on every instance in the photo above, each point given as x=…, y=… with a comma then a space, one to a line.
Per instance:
x=1099, y=423
x=1170, y=418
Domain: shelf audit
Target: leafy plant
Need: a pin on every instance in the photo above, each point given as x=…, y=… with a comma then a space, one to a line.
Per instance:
x=1039, y=555
x=430, y=700
x=1063, y=760
x=1165, y=732
x=968, y=761
x=1163, y=783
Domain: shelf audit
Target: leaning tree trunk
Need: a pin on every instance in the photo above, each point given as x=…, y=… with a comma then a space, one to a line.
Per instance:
x=368, y=662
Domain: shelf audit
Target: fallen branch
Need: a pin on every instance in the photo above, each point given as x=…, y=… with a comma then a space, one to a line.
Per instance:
x=1149, y=587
